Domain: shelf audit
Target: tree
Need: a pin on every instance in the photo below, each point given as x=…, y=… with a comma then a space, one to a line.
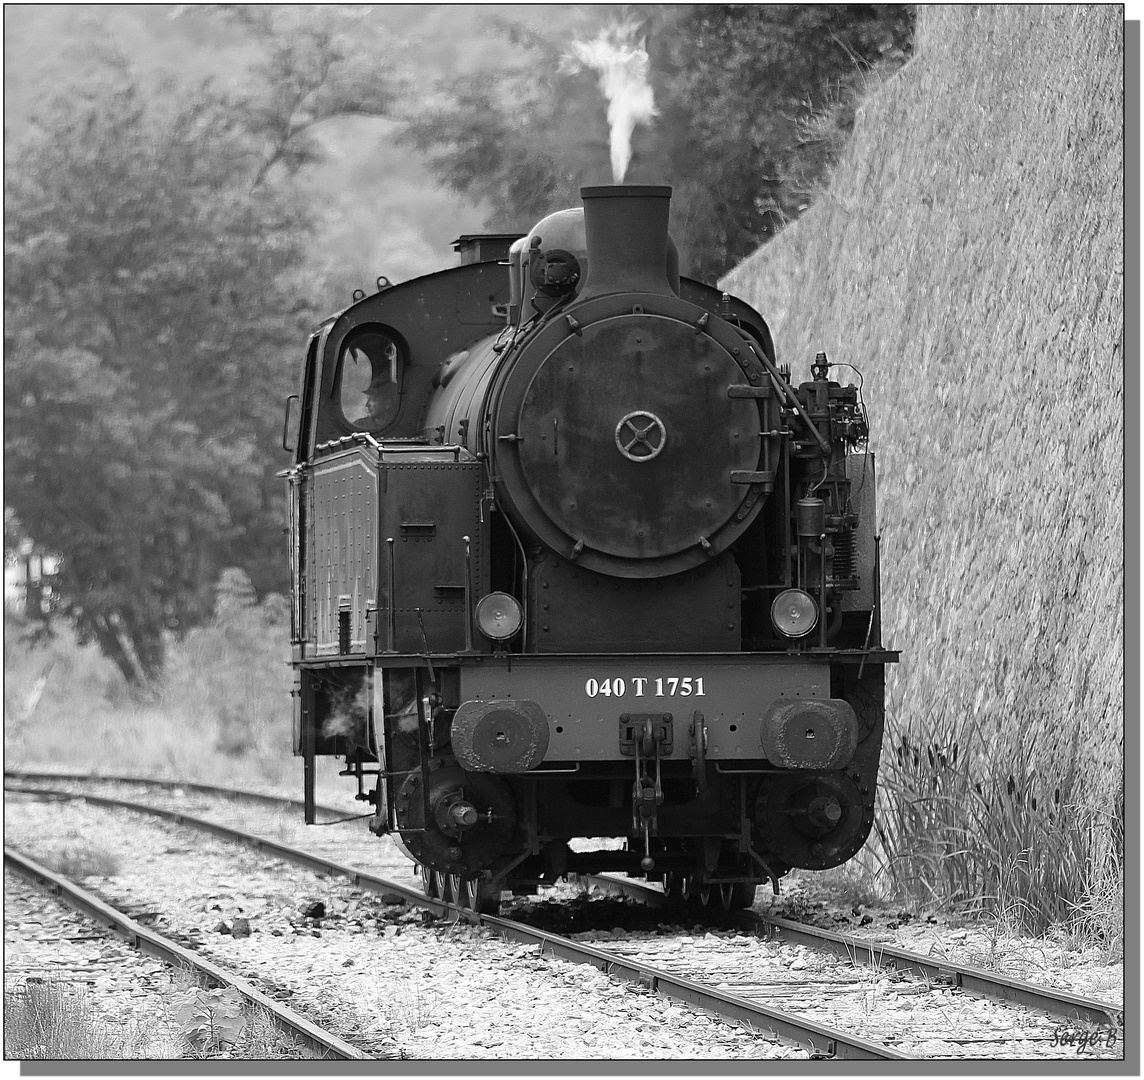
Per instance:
x=757, y=81
x=738, y=88
x=312, y=72
x=156, y=303
x=145, y=287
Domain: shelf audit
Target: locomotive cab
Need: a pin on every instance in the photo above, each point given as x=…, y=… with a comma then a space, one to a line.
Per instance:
x=573, y=559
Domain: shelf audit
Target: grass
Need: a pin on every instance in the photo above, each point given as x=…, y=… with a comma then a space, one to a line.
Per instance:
x=220, y=715
x=78, y=861
x=46, y=1020
x=959, y=834
x=49, y=1020
x=405, y=1006
x=968, y=257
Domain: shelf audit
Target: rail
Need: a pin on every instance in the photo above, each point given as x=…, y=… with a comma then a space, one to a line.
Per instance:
x=821, y=1040
x=857, y=951
x=874, y=954
x=154, y=944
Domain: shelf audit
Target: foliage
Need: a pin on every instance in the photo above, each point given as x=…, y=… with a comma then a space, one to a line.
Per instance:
x=154, y=250
x=149, y=261
x=48, y=1021
x=736, y=87
x=210, y=1019
x=78, y=860
x=142, y=334
x=747, y=82
x=219, y=712
x=312, y=77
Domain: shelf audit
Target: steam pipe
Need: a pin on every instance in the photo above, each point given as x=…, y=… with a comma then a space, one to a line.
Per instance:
x=391, y=619
x=468, y=596
x=822, y=591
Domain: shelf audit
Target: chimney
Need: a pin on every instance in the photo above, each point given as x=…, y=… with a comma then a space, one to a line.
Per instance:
x=626, y=227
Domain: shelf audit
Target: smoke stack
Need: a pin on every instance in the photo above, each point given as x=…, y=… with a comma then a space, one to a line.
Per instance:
x=628, y=245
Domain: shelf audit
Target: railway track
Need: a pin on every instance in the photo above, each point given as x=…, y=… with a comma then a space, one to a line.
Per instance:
x=730, y=996
x=819, y=1039
x=879, y=956
x=152, y=943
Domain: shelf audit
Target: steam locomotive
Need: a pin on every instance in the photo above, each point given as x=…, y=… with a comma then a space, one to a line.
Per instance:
x=581, y=582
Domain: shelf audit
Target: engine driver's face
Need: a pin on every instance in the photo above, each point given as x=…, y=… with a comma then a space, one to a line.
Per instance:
x=377, y=402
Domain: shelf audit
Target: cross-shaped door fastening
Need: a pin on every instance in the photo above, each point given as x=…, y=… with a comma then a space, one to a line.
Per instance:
x=640, y=436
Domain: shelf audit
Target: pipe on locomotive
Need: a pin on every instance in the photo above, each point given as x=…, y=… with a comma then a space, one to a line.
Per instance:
x=628, y=246
x=621, y=230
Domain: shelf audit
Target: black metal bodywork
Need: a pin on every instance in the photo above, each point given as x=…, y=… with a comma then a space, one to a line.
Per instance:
x=614, y=451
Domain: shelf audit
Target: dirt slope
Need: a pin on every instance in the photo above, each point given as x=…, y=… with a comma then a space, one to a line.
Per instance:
x=968, y=257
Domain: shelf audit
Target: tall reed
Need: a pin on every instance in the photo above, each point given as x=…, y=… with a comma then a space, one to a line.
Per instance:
x=974, y=825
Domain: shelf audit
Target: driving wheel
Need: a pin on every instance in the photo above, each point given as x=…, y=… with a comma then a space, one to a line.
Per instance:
x=485, y=896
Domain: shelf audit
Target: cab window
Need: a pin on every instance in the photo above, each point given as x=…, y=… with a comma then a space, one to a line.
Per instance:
x=369, y=381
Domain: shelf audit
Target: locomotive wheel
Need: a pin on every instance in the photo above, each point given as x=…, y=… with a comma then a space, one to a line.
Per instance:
x=458, y=849
x=473, y=894
x=737, y=895
x=814, y=819
x=485, y=897
x=742, y=895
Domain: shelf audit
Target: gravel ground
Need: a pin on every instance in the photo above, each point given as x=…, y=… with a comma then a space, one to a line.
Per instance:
x=1051, y=961
x=46, y=942
x=424, y=989
x=376, y=973
x=900, y=1012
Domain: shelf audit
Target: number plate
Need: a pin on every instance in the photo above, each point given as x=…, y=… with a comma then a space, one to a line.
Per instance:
x=637, y=686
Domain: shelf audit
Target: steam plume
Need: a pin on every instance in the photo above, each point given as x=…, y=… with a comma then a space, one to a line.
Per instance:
x=622, y=64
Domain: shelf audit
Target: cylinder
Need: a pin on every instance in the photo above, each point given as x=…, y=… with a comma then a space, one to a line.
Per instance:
x=627, y=240
x=811, y=517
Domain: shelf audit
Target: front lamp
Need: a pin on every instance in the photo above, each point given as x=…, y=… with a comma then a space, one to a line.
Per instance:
x=499, y=616
x=794, y=613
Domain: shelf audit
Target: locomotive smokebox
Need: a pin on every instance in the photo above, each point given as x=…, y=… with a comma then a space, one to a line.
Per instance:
x=628, y=245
